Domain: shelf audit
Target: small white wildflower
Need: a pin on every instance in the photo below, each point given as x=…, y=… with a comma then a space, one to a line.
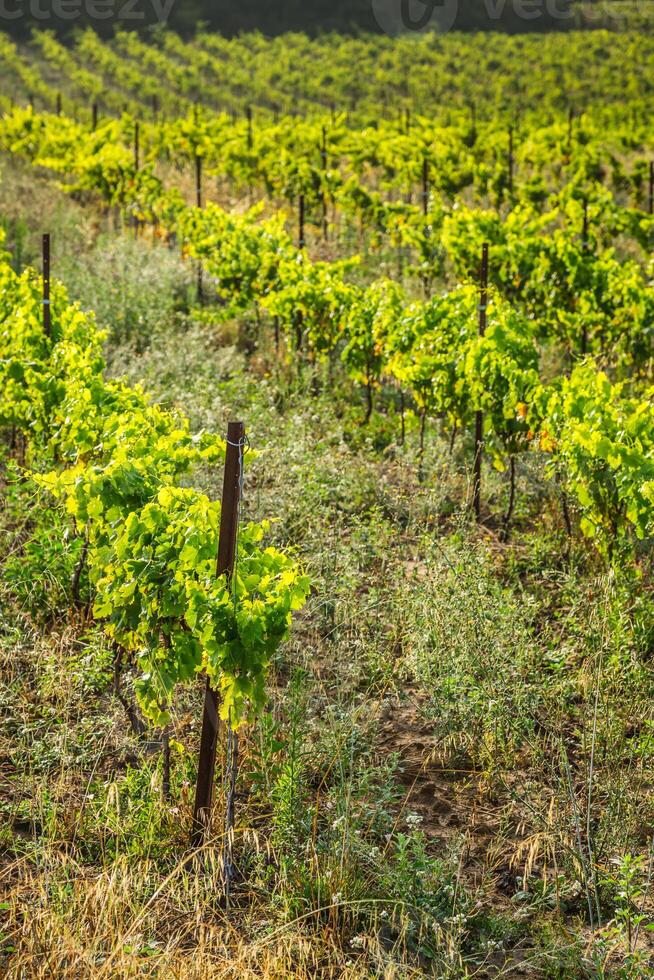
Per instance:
x=413, y=819
x=493, y=945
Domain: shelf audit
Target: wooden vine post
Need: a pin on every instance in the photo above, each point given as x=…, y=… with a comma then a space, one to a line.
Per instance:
x=47, y=322
x=571, y=116
x=225, y=566
x=94, y=116
x=479, y=415
x=585, y=248
x=425, y=213
x=650, y=200
x=301, y=241
x=198, y=180
x=137, y=164
x=250, y=140
x=198, y=204
x=58, y=104
x=323, y=162
x=510, y=180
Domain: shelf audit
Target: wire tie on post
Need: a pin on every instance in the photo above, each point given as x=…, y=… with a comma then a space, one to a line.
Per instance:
x=244, y=444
